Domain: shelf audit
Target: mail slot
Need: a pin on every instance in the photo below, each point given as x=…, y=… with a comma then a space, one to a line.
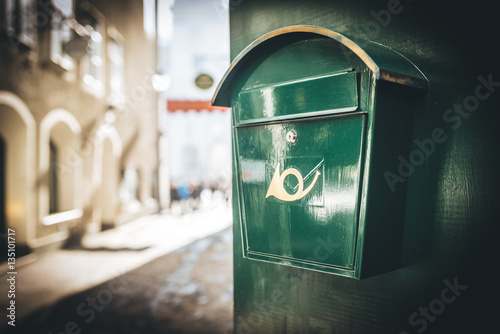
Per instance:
x=318, y=121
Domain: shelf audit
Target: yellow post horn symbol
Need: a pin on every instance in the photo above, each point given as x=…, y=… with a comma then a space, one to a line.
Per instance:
x=277, y=190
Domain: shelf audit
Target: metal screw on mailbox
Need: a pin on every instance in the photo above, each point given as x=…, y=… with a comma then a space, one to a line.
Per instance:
x=291, y=137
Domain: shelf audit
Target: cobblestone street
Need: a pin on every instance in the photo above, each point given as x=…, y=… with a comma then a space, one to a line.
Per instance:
x=184, y=290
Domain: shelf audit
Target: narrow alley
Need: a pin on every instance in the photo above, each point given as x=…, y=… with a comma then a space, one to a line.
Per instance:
x=167, y=273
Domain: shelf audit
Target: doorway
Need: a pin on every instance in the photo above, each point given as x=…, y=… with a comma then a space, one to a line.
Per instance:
x=3, y=220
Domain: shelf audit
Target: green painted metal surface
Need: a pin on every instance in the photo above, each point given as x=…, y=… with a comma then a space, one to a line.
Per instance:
x=274, y=229
x=299, y=98
x=452, y=197
x=312, y=202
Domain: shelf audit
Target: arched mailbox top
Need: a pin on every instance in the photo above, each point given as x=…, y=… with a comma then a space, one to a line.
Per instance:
x=385, y=64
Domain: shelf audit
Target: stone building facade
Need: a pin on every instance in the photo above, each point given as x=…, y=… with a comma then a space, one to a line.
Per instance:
x=78, y=117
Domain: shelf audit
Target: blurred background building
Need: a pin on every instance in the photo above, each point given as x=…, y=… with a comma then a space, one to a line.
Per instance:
x=104, y=114
x=78, y=117
x=194, y=54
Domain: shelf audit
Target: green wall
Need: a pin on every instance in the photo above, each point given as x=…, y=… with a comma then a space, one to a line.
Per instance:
x=451, y=233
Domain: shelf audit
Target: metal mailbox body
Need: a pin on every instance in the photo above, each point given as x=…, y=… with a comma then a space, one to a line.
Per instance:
x=317, y=121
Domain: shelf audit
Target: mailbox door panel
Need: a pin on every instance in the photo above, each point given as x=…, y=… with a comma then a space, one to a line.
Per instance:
x=300, y=198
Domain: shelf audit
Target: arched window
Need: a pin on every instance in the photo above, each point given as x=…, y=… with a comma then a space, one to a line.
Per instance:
x=53, y=180
x=18, y=131
x=3, y=218
x=105, y=177
x=60, y=167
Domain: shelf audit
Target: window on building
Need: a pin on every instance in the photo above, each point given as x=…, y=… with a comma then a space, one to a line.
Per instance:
x=64, y=172
x=61, y=33
x=19, y=22
x=53, y=179
x=92, y=64
x=116, y=73
x=149, y=18
x=129, y=191
x=128, y=185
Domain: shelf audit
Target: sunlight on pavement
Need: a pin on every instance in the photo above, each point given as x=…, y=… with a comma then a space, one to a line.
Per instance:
x=111, y=253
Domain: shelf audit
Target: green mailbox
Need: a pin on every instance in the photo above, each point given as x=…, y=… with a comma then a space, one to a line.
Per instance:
x=320, y=127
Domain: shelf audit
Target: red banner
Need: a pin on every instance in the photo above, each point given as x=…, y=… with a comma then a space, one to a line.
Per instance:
x=191, y=105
